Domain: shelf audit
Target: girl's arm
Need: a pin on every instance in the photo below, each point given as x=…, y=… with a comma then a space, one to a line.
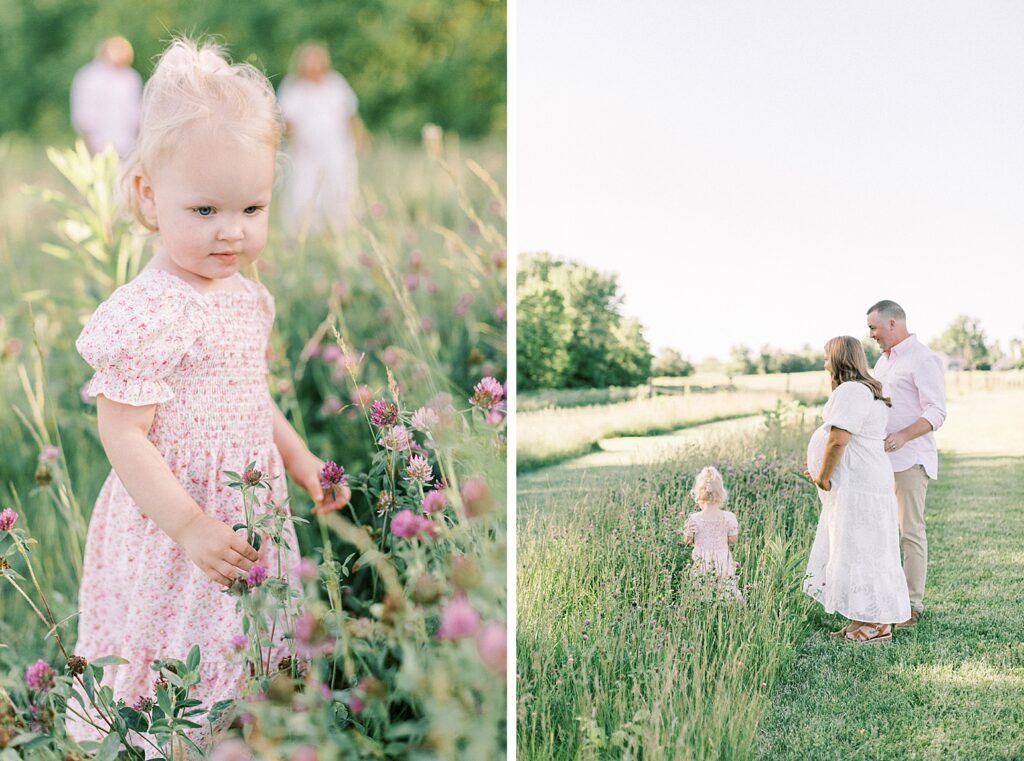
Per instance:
x=838, y=438
x=303, y=466
x=218, y=551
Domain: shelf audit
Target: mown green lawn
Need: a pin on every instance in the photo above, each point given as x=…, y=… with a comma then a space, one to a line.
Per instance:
x=952, y=687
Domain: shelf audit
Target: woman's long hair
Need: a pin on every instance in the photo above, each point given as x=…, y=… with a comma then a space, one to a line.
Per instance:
x=849, y=363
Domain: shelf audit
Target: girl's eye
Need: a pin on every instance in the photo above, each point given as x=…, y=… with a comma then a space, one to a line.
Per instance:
x=250, y=210
x=203, y=211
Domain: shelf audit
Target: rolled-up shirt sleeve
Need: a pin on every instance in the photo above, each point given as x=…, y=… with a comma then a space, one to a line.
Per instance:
x=930, y=380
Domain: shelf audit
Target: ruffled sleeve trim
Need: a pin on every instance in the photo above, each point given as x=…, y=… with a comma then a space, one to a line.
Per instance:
x=136, y=338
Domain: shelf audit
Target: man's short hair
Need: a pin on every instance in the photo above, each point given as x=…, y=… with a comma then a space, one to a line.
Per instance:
x=888, y=310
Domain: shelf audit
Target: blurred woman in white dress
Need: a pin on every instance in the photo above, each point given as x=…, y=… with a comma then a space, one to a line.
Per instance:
x=854, y=568
x=320, y=110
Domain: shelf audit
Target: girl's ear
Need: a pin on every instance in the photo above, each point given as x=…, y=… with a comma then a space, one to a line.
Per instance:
x=143, y=190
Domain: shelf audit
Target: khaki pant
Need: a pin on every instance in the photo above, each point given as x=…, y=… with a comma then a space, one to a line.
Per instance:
x=911, y=488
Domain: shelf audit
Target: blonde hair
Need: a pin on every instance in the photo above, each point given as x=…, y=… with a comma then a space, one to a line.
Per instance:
x=849, y=363
x=192, y=84
x=709, y=488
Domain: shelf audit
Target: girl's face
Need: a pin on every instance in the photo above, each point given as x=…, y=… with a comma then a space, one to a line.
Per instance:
x=210, y=200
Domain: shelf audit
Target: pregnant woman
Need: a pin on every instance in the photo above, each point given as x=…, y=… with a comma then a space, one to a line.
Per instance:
x=854, y=567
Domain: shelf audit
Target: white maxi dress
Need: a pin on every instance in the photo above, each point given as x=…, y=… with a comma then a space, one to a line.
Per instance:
x=854, y=568
x=321, y=170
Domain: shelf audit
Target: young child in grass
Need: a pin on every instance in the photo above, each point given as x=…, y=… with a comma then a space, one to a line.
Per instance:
x=712, y=531
x=181, y=385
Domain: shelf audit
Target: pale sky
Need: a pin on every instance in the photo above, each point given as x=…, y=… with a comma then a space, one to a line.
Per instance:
x=762, y=172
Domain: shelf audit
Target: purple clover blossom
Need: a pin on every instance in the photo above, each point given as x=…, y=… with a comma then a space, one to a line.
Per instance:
x=332, y=476
x=418, y=469
x=39, y=676
x=458, y=620
x=406, y=524
x=257, y=575
x=434, y=501
x=383, y=413
x=487, y=394
x=396, y=439
x=7, y=519
x=239, y=642
x=49, y=454
x=424, y=419
x=361, y=395
x=385, y=502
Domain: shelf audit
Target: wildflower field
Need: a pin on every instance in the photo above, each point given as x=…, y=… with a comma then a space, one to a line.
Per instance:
x=388, y=357
x=621, y=655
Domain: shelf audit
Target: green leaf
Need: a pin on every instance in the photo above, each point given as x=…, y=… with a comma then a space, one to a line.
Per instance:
x=89, y=682
x=108, y=660
x=22, y=739
x=173, y=678
x=109, y=747
x=192, y=661
x=163, y=699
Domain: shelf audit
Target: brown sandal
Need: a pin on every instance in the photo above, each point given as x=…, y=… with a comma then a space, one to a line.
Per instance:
x=870, y=634
x=839, y=633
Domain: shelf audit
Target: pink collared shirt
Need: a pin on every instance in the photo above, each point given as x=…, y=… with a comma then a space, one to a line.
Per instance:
x=913, y=378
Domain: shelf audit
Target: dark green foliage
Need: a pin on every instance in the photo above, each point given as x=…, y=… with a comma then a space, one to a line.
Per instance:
x=571, y=333
x=410, y=61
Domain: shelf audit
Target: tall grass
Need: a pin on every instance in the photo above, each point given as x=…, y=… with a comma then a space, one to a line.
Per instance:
x=552, y=435
x=620, y=654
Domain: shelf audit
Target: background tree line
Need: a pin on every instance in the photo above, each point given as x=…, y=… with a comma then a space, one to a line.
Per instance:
x=964, y=342
x=570, y=332
x=409, y=61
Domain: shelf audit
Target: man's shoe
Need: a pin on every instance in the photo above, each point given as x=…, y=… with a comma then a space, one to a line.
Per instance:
x=914, y=615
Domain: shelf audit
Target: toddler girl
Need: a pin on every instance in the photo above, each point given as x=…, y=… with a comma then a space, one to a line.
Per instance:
x=181, y=387
x=712, y=532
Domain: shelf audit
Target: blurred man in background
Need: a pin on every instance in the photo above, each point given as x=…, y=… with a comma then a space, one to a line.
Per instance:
x=106, y=98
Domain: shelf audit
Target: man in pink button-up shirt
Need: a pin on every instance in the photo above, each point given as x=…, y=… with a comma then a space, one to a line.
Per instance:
x=914, y=379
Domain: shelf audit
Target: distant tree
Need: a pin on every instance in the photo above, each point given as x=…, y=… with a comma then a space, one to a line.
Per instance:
x=580, y=339
x=630, y=362
x=964, y=338
x=670, y=362
x=767, y=360
x=1017, y=352
x=871, y=350
x=542, y=336
x=740, y=362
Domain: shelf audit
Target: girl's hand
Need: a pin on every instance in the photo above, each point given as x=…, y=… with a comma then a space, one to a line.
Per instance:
x=216, y=550
x=305, y=471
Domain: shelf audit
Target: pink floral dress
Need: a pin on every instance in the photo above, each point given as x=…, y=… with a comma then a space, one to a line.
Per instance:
x=201, y=359
x=711, y=530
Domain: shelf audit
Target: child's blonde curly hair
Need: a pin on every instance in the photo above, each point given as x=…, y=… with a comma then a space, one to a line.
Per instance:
x=195, y=83
x=709, y=488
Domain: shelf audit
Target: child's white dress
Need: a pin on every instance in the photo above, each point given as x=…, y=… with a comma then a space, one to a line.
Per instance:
x=201, y=358
x=711, y=530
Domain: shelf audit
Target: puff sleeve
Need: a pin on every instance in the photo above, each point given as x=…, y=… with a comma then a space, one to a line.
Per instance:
x=136, y=339
x=848, y=407
x=732, y=524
